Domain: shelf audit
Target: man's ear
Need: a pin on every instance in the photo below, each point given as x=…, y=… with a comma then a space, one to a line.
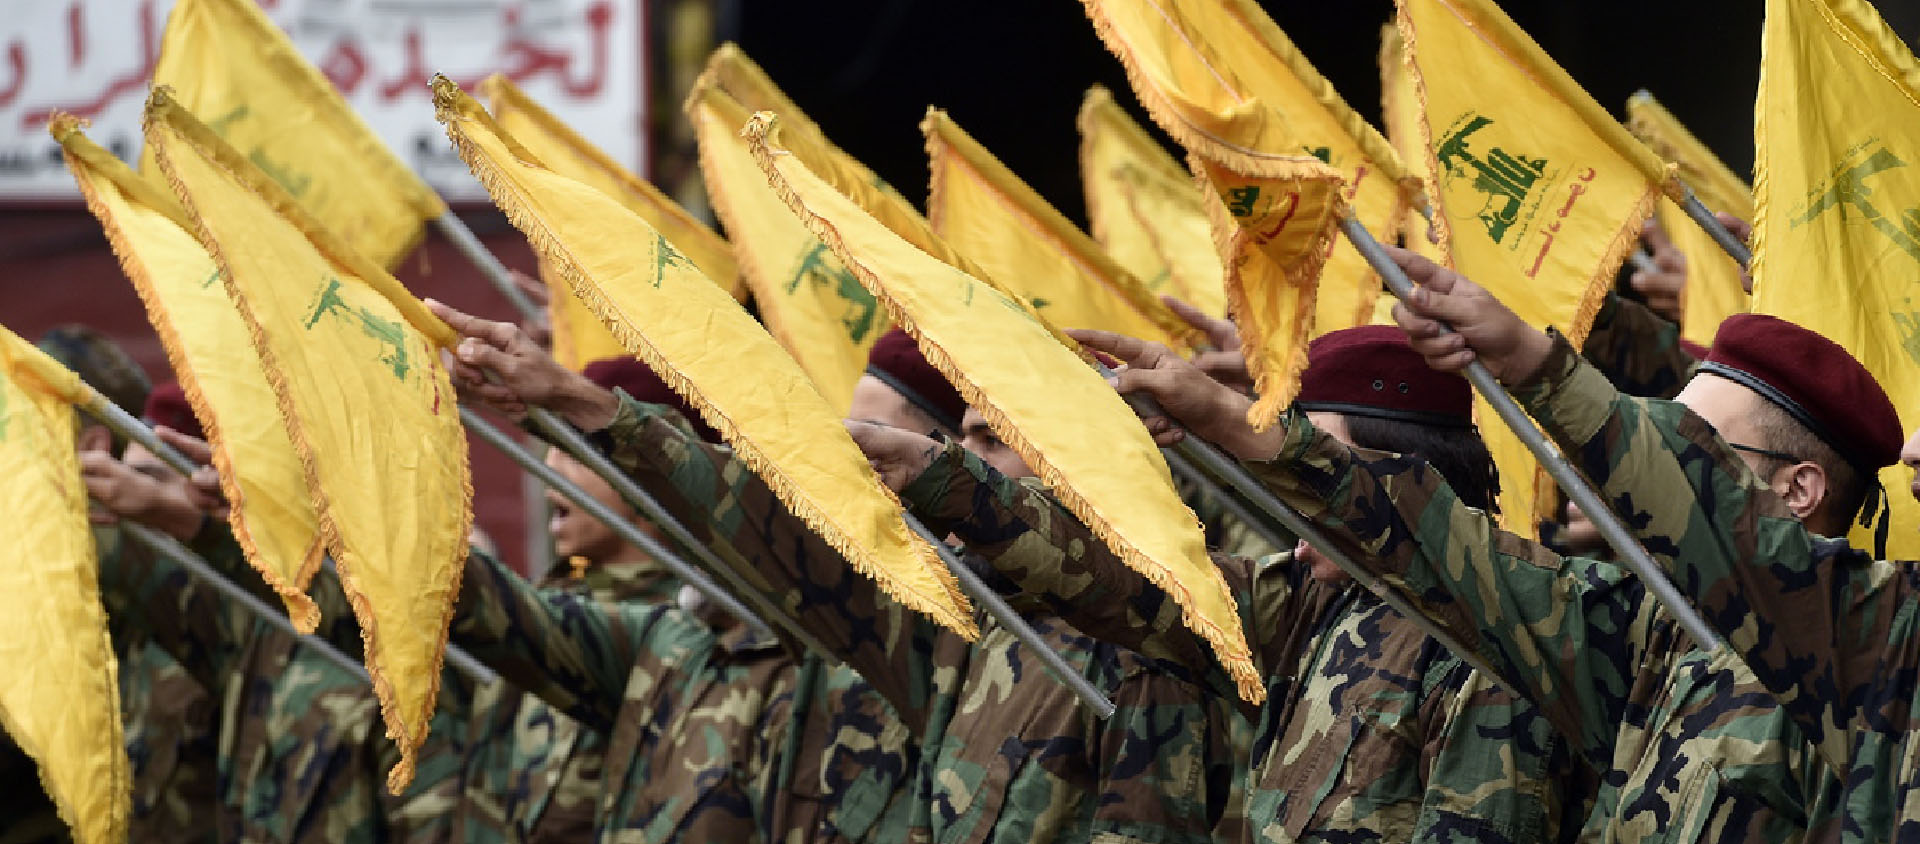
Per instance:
x=95, y=438
x=1804, y=488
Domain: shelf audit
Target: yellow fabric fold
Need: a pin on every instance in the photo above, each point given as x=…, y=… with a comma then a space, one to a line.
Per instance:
x=578, y=337
x=354, y=362
x=1144, y=208
x=211, y=352
x=237, y=72
x=1255, y=130
x=1538, y=193
x=59, y=682
x=1837, y=189
x=1715, y=290
x=987, y=213
x=1401, y=110
x=700, y=341
x=1101, y=464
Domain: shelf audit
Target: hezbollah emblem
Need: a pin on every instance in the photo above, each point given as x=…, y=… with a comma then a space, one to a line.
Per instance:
x=1504, y=180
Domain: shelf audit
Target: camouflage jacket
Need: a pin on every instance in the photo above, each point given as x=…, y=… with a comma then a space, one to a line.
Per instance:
x=1005, y=752
x=1825, y=628
x=168, y=718
x=1638, y=349
x=1690, y=746
x=301, y=755
x=531, y=773
x=1371, y=730
x=707, y=733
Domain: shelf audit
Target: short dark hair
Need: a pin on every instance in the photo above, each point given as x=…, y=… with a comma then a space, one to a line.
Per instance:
x=1846, y=484
x=1457, y=453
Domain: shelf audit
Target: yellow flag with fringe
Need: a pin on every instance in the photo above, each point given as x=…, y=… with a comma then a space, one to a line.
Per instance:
x=1144, y=208
x=1009, y=366
x=810, y=303
x=1273, y=201
x=354, y=362
x=59, y=682
x=211, y=352
x=1715, y=289
x=983, y=210
x=1837, y=184
x=578, y=337
x=233, y=69
x=655, y=298
x=1539, y=192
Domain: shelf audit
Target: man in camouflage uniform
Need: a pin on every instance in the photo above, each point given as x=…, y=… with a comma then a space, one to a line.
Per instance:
x=1690, y=744
x=1721, y=484
x=1061, y=774
x=1372, y=731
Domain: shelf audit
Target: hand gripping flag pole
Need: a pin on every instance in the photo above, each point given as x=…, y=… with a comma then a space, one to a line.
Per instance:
x=1631, y=553
x=1699, y=213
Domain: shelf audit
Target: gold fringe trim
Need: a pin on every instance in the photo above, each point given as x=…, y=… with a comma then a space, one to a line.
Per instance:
x=1099, y=116
x=1228, y=647
x=956, y=614
x=946, y=141
x=1439, y=229
x=301, y=609
x=171, y=117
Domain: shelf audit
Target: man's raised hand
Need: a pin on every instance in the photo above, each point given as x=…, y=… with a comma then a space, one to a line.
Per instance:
x=1482, y=328
x=499, y=364
x=1224, y=363
x=1191, y=400
x=897, y=454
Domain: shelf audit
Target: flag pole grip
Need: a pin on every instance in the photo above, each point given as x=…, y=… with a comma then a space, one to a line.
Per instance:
x=625, y=528
x=1583, y=495
x=996, y=606
x=470, y=247
x=1715, y=230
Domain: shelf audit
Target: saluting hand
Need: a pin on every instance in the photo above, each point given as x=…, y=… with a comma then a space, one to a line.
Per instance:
x=1483, y=328
x=899, y=455
x=499, y=364
x=1209, y=409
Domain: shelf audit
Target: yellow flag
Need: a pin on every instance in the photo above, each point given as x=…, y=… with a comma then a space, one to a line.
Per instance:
x=1219, y=88
x=59, y=683
x=1540, y=193
x=1715, y=290
x=354, y=361
x=232, y=68
x=579, y=338
x=1837, y=184
x=1400, y=106
x=811, y=304
x=987, y=213
x=1101, y=464
x=212, y=354
x=654, y=297
x=1144, y=208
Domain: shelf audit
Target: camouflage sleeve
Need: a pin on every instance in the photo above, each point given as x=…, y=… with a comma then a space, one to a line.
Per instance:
x=1034, y=542
x=717, y=497
x=572, y=652
x=1638, y=349
x=1735, y=549
x=1566, y=632
x=191, y=622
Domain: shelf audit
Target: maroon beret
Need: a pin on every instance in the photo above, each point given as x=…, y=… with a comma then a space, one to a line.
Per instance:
x=167, y=405
x=896, y=360
x=1815, y=381
x=1372, y=371
x=639, y=381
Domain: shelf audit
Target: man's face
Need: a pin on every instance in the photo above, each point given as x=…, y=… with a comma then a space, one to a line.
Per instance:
x=874, y=401
x=575, y=532
x=1323, y=569
x=978, y=437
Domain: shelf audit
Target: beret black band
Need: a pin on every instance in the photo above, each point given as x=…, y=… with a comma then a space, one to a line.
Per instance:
x=1781, y=400
x=940, y=417
x=1437, y=420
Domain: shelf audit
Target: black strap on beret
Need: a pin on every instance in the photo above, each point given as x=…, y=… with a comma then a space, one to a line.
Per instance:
x=1436, y=420
x=1781, y=400
x=939, y=416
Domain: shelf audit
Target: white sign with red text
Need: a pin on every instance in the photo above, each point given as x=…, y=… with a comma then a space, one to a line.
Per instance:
x=583, y=59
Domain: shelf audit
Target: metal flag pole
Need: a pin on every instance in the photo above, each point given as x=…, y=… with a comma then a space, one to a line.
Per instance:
x=1631, y=553
x=626, y=529
x=202, y=570
x=996, y=606
x=1715, y=230
x=123, y=423
x=470, y=247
